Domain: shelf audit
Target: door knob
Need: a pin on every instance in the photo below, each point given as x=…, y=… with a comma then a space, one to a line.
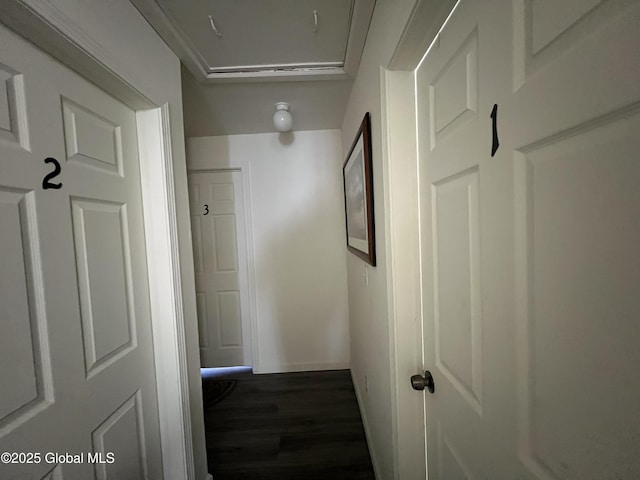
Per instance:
x=418, y=382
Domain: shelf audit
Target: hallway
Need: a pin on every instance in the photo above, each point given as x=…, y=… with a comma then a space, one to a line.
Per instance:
x=288, y=426
x=500, y=187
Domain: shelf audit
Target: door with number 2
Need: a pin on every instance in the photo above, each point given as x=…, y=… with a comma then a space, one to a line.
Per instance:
x=77, y=371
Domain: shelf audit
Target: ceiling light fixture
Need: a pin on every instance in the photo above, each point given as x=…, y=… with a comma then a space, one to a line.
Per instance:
x=282, y=118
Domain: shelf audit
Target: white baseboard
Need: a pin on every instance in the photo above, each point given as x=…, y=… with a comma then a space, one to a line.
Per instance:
x=299, y=367
x=365, y=423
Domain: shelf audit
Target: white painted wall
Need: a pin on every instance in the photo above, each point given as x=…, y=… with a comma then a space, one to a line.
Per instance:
x=137, y=53
x=247, y=108
x=371, y=328
x=296, y=208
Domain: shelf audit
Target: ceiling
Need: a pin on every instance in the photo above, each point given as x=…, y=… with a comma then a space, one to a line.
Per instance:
x=240, y=57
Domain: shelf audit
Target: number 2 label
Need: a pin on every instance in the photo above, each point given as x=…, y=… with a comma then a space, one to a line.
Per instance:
x=46, y=184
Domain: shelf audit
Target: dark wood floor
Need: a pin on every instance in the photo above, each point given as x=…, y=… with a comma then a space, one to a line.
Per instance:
x=288, y=426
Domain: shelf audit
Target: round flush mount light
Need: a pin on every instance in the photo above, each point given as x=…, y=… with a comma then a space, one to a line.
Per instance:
x=282, y=118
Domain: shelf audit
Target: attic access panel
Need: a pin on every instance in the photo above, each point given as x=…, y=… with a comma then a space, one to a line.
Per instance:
x=234, y=39
x=258, y=34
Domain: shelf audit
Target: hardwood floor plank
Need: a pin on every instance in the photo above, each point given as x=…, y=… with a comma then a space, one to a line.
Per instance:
x=288, y=426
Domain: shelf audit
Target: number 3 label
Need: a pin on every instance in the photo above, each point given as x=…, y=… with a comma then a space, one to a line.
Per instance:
x=206, y=209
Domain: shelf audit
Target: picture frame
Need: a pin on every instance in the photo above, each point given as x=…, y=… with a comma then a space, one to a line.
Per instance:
x=357, y=175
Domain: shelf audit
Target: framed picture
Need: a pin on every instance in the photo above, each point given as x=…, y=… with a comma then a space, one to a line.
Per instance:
x=357, y=173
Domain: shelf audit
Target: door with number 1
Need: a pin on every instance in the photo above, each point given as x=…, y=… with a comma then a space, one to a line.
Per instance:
x=220, y=257
x=528, y=120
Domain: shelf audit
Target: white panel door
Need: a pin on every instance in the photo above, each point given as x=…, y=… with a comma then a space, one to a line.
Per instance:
x=219, y=246
x=76, y=356
x=530, y=261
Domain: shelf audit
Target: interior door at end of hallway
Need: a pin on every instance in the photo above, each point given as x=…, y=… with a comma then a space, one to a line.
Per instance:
x=528, y=114
x=220, y=256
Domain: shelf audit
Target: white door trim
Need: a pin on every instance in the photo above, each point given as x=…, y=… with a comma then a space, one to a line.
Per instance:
x=399, y=158
x=244, y=169
x=402, y=217
x=165, y=291
x=50, y=30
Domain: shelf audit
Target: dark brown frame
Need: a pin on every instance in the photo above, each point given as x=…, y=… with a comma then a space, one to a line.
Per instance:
x=365, y=133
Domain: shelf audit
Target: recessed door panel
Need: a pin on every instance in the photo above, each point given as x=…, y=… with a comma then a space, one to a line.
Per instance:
x=582, y=236
x=451, y=465
x=458, y=313
x=546, y=29
x=230, y=319
x=225, y=243
x=121, y=435
x=105, y=285
x=549, y=19
x=222, y=192
x=198, y=254
x=454, y=91
x=55, y=474
x=6, y=92
x=23, y=339
x=13, y=110
x=92, y=140
x=203, y=319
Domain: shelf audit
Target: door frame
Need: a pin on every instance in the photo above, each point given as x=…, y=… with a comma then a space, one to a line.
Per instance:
x=244, y=169
x=399, y=152
x=402, y=226
x=54, y=33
